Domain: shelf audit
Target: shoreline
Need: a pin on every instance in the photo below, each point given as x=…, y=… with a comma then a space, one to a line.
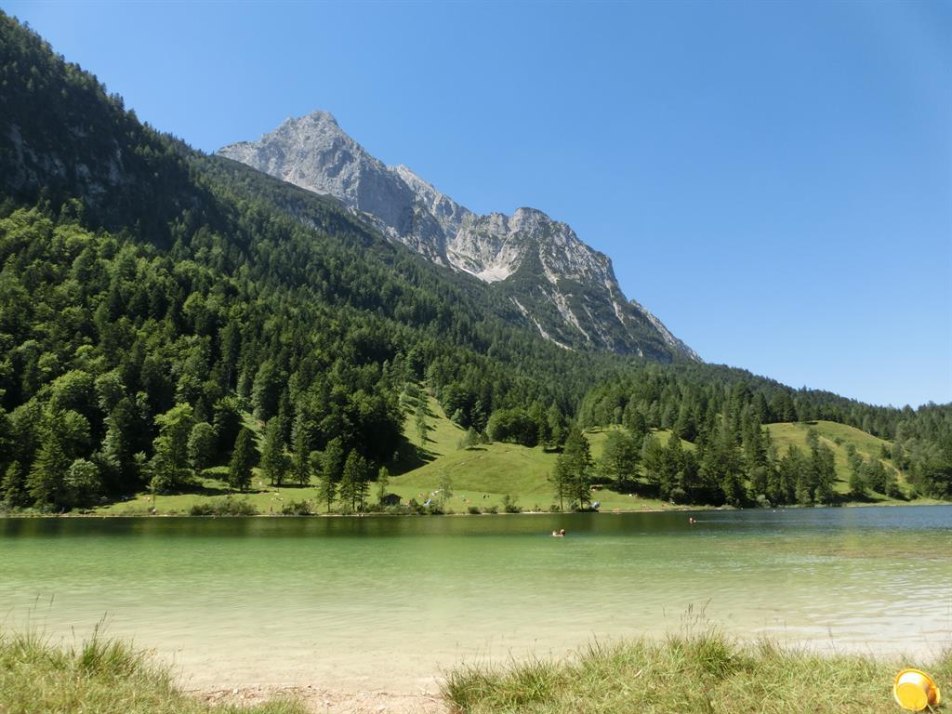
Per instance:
x=320, y=700
x=666, y=508
x=114, y=676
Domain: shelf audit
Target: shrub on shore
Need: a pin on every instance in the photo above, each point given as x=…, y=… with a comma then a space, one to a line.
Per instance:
x=103, y=676
x=697, y=673
x=227, y=506
x=297, y=508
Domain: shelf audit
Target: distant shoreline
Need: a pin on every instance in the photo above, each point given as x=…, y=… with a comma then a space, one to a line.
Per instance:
x=670, y=508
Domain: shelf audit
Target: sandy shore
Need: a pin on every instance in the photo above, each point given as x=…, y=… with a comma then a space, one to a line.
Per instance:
x=327, y=701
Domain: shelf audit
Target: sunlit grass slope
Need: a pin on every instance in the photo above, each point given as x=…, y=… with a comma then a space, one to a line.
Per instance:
x=480, y=476
x=442, y=435
x=838, y=437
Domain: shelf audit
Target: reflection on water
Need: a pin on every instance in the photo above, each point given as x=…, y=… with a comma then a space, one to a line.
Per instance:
x=389, y=602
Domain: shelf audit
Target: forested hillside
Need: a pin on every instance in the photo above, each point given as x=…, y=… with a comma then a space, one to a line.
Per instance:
x=723, y=412
x=162, y=311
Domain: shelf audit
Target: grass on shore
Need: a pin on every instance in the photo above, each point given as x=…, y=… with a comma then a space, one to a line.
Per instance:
x=103, y=676
x=704, y=673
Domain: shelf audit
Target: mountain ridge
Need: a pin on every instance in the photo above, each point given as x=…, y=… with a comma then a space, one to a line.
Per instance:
x=572, y=297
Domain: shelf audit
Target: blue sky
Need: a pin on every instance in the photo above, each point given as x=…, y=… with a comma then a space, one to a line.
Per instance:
x=772, y=179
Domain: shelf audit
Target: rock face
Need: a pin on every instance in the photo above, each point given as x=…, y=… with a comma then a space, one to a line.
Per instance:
x=567, y=290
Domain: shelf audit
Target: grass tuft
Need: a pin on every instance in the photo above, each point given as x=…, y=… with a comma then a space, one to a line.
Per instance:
x=704, y=672
x=101, y=675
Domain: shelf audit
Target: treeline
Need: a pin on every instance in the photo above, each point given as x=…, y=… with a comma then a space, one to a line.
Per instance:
x=734, y=461
x=683, y=396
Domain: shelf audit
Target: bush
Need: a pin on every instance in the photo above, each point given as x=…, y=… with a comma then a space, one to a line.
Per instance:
x=227, y=506
x=509, y=504
x=419, y=509
x=297, y=508
x=474, y=510
x=678, y=495
x=398, y=509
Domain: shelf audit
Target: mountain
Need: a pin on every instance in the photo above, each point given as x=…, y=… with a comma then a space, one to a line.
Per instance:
x=566, y=290
x=148, y=291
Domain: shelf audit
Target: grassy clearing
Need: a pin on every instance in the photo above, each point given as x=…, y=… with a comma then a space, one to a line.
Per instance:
x=483, y=475
x=263, y=497
x=695, y=673
x=103, y=676
x=837, y=437
x=442, y=434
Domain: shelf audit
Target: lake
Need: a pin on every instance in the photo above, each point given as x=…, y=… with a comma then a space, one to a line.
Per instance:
x=390, y=602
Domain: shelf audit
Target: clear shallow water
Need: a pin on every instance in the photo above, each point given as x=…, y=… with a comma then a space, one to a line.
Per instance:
x=372, y=603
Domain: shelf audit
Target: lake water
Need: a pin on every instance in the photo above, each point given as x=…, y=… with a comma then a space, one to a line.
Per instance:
x=389, y=603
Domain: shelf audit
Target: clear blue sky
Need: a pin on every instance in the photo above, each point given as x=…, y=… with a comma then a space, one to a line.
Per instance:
x=772, y=179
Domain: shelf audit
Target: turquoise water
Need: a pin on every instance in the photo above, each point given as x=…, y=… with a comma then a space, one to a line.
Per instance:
x=391, y=602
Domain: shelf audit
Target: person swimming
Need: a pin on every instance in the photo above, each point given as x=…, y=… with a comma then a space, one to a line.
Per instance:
x=559, y=533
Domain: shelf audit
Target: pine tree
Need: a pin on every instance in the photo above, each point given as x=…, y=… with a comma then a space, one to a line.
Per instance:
x=274, y=460
x=332, y=471
x=326, y=490
x=300, y=459
x=791, y=466
x=47, y=479
x=572, y=477
x=825, y=469
x=420, y=423
x=353, y=483
x=555, y=427
x=672, y=462
x=620, y=458
x=242, y=460
x=383, y=482
x=652, y=456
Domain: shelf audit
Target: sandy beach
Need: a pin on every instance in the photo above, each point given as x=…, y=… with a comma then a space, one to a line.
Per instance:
x=328, y=701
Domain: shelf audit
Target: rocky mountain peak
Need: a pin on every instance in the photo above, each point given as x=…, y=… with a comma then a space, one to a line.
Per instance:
x=565, y=288
x=316, y=121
